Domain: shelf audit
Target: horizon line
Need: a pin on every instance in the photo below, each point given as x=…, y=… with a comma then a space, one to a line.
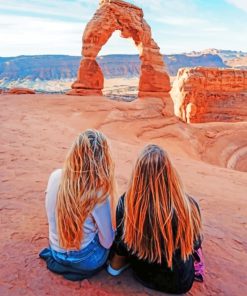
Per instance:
x=126, y=54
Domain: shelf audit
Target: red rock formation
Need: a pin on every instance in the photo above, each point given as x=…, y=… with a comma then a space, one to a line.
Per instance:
x=21, y=91
x=210, y=94
x=34, y=139
x=115, y=15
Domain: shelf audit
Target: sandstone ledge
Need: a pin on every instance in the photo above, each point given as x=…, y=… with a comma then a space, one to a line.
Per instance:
x=21, y=91
x=210, y=94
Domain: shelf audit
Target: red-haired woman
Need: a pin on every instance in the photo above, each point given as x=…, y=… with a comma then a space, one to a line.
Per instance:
x=158, y=226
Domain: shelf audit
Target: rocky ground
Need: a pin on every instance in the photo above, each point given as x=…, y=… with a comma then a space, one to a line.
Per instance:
x=36, y=131
x=121, y=89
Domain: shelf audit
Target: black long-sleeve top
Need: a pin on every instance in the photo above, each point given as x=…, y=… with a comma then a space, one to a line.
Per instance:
x=156, y=276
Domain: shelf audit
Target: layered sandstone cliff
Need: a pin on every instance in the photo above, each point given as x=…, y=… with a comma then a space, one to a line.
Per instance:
x=210, y=94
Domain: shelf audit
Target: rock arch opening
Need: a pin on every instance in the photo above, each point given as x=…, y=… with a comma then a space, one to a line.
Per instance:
x=119, y=15
x=121, y=68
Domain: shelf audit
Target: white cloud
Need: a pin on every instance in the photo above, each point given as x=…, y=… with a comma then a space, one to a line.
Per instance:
x=163, y=7
x=56, y=27
x=181, y=21
x=71, y=10
x=29, y=35
x=242, y=4
x=215, y=29
x=119, y=45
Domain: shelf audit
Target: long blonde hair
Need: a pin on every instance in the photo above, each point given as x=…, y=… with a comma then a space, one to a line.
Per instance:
x=87, y=180
x=159, y=217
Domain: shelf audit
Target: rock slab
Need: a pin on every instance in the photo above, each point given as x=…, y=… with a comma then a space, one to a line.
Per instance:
x=20, y=91
x=210, y=94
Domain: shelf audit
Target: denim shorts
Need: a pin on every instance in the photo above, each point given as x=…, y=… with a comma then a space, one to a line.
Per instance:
x=90, y=258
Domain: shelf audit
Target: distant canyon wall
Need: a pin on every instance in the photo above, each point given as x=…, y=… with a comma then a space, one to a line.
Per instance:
x=210, y=94
x=62, y=67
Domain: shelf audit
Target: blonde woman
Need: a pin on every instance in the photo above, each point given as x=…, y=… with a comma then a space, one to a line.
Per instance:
x=158, y=226
x=79, y=198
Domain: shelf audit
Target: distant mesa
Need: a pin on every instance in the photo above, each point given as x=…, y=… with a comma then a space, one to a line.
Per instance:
x=119, y=15
x=32, y=70
x=20, y=91
x=210, y=94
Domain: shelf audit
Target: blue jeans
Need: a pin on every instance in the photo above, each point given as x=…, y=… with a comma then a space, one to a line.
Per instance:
x=90, y=258
x=76, y=265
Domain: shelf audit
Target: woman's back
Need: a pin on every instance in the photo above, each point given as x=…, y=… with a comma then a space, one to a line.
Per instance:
x=78, y=199
x=158, y=224
x=152, y=275
x=101, y=214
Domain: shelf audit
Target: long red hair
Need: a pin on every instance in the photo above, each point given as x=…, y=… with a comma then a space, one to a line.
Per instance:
x=87, y=180
x=159, y=217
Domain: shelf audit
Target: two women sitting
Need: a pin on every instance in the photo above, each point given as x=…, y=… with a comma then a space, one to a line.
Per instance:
x=158, y=226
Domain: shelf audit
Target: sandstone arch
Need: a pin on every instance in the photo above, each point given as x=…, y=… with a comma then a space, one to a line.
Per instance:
x=115, y=15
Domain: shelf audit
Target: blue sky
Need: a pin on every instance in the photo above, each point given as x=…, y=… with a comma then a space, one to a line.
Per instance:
x=56, y=27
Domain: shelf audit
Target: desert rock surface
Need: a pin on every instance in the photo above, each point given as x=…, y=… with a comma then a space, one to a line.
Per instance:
x=210, y=94
x=37, y=130
x=21, y=91
x=119, y=15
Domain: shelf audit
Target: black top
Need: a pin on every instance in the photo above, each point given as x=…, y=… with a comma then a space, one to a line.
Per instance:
x=156, y=276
